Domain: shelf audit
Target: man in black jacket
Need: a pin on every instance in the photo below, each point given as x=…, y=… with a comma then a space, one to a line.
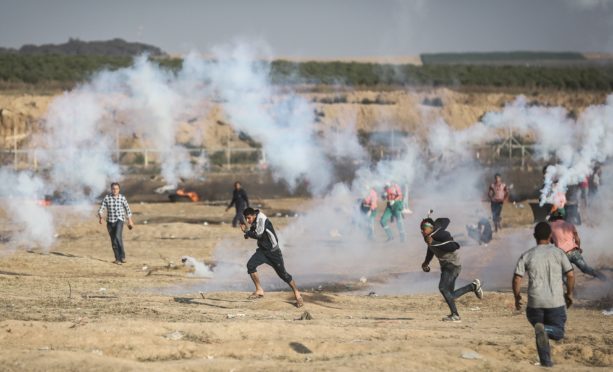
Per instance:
x=240, y=201
x=268, y=252
x=441, y=244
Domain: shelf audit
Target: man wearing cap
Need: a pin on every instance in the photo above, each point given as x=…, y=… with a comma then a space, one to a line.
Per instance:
x=441, y=244
x=268, y=252
x=564, y=236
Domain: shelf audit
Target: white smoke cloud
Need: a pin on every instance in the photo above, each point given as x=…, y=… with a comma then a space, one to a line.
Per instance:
x=20, y=195
x=284, y=124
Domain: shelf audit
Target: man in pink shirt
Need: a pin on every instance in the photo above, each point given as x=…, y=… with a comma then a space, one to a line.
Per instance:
x=498, y=193
x=369, y=209
x=393, y=210
x=564, y=236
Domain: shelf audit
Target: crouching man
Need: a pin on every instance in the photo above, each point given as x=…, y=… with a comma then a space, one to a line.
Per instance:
x=268, y=252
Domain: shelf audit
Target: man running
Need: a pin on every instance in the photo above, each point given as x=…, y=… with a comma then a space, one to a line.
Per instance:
x=240, y=202
x=564, y=236
x=369, y=208
x=268, y=252
x=497, y=193
x=117, y=209
x=545, y=265
x=441, y=244
x=393, y=210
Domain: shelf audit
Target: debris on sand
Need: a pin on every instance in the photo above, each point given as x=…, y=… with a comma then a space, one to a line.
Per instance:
x=174, y=336
x=607, y=312
x=363, y=280
x=372, y=294
x=305, y=316
x=237, y=315
x=300, y=348
x=471, y=355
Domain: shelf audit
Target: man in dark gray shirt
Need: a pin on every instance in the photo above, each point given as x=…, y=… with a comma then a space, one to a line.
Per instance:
x=545, y=266
x=240, y=201
x=441, y=244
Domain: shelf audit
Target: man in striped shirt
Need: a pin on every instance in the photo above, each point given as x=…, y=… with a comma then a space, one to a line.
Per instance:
x=117, y=209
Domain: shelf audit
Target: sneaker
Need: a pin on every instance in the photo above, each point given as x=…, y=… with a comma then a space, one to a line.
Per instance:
x=452, y=318
x=123, y=261
x=117, y=262
x=478, y=290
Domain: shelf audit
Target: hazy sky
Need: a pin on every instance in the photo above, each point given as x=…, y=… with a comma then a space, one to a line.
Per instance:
x=322, y=28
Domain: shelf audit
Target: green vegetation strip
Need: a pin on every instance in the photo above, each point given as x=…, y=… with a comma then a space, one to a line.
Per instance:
x=37, y=69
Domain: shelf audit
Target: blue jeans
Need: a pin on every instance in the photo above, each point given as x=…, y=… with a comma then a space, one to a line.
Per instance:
x=496, y=211
x=553, y=319
x=115, y=230
x=449, y=274
x=576, y=258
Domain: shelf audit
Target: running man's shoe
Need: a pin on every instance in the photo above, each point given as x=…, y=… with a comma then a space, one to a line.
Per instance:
x=478, y=290
x=542, y=344
x=452, y=318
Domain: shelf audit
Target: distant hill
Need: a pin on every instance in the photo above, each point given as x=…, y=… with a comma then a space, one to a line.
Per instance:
x=76, y=47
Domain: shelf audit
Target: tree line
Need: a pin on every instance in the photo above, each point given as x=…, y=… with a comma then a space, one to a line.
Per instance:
x=44, y=68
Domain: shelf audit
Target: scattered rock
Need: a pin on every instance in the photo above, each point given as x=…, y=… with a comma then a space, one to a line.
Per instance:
x=300, y=348
x=174, y=336
x=305, y=316
x=471, y=355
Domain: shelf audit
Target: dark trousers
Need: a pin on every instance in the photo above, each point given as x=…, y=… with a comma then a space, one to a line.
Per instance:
x=238, y=217
x=496, y=212
x=115, y=230
x=273, y=258
x=553, y=319
x=449, y=274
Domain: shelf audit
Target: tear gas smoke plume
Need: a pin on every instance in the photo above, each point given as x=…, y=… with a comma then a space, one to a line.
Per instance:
x=83, y=126
x=329, y=239
x=439, y=171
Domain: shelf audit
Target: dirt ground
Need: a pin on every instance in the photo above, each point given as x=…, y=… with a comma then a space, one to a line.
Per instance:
x=72, y=309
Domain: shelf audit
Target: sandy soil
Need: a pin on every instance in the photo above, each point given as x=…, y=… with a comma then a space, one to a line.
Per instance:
x=72, y=309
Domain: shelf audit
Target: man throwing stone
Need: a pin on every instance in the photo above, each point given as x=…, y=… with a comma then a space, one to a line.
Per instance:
x=441, y=244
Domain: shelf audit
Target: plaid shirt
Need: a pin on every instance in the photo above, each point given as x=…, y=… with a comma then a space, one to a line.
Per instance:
x=117, y=207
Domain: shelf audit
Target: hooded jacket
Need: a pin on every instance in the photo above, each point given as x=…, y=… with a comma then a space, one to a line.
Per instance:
x=443, y=246
x=262, y=230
